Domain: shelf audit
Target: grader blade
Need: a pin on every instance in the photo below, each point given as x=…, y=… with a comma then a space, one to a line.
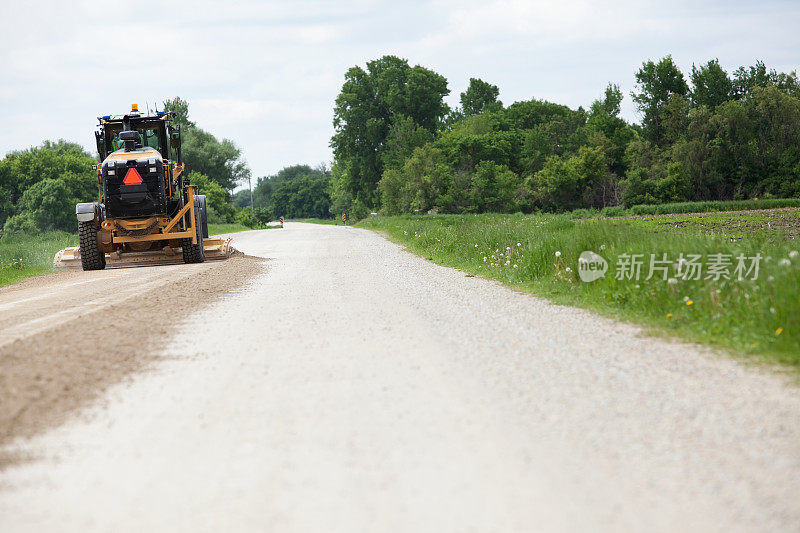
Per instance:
x=215, y=249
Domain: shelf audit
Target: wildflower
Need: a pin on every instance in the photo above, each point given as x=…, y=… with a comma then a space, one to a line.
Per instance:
x=784, y=262
x=672, y=281
x=772, y=310
x=515, y=266
x=558, y=254
x=669, y=315
x=602, y=247
x=794, y=254
x=476, y=246
x=508, y=262
x=771, y=278
x=778, y=331
x=508, y=248
x=484, y=258
x=520, y=244
x=685, y=298
x=569, y=269
x=689, y=302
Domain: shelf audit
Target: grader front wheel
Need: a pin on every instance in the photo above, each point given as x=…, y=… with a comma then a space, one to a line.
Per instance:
x=92, y=258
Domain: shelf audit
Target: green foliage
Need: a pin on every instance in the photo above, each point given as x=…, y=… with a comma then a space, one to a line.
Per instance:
x=245, y=217
x=220, y=209
x=45, y=206
x=655, y=84
x=302, y=197
x=40, y=186
x=263, y=215
x=702, y=207
x=219, y=160
x=580, y=180
x=479, y=96
x=241, y=198
x=750, y=318
x=365, y=109
x=297, y=191
x=181, y=109
x=711, y=85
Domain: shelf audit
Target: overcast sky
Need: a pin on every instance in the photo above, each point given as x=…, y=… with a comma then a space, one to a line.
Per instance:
x=265, y=74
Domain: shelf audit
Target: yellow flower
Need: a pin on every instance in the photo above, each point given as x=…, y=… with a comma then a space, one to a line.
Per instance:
x=778, y=331
x=669, y=315
x=689, y=302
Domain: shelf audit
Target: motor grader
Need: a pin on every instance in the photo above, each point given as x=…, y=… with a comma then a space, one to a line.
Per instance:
x=148, y=212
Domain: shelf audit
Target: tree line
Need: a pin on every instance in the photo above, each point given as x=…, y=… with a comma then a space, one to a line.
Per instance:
x=399, y=148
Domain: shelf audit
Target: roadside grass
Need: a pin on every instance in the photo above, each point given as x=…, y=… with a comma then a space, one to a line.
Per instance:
x=219, y=229
x=687, y=207
x=23, y=256
x=757, y=319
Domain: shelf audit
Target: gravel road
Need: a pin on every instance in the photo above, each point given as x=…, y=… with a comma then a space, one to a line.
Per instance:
x=352, y=386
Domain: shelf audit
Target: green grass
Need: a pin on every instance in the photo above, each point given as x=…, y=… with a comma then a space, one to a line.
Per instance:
x=22, y=256
x=704, y=207
x=758, y=319
x=218, y=229
x=687, y=207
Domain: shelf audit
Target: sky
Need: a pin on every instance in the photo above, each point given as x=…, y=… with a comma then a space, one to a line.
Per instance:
x=266, y=74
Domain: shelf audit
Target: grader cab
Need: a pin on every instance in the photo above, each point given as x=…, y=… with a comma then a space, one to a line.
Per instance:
x=147, y=211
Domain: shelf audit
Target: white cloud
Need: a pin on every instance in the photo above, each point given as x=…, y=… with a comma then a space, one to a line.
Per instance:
x=265, y=74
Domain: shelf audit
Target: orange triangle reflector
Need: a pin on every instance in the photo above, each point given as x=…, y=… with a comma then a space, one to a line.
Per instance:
x=132, y=177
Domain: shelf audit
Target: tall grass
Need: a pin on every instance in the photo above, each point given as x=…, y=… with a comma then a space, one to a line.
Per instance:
x=22, y=256
x=539, y=254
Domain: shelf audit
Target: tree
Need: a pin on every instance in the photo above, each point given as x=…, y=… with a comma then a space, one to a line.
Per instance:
x=218, y=199
x=265, y=186
x=711, y=85
x=181, y=108
x=655, y=83
x=61, y=161
x=45, y=206
x=478, y=97
x=365, y=108
x=304, y=197
x=220, y=161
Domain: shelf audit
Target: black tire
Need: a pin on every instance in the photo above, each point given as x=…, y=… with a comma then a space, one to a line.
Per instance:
x=201, y=199
x=195, y=253
x=92, y=258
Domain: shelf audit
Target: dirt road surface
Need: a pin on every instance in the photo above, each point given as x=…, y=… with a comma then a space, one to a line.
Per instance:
x=351, y=386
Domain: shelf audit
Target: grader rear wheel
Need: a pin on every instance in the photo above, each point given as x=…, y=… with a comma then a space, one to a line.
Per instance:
x=195, y=253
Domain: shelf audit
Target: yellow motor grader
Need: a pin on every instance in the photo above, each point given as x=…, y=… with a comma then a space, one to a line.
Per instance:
x=148, y=213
